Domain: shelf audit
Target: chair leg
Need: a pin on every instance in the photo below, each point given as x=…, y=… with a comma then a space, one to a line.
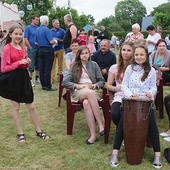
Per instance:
x=70, y=121
x=60, y=94
x=160, y=102
x=60, y=89
x=107, y=118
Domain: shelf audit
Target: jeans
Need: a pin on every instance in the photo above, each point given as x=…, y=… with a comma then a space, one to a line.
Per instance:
x=33, y=55
x=46, y=61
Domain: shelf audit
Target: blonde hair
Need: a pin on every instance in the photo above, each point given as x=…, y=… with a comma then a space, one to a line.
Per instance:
x=137, y=26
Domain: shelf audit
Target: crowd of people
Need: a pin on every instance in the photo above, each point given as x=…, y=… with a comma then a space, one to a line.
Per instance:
x=90, y=64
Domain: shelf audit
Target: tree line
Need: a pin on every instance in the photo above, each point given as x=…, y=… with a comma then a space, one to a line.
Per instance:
x=126, y=13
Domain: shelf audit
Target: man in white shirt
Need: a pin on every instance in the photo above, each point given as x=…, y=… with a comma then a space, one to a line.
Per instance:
x=152, y=38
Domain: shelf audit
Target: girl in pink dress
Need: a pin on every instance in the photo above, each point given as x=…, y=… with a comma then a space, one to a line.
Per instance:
x=90, y=42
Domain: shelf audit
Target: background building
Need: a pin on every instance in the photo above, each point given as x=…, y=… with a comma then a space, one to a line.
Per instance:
x=8, y=15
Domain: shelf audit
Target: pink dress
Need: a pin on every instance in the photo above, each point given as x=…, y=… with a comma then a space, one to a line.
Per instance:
x=90, y=44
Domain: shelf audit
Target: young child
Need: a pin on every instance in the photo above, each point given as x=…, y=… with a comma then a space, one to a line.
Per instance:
x=15, y=83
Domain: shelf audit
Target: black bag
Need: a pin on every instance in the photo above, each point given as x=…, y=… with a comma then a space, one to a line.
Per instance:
x=167, y=154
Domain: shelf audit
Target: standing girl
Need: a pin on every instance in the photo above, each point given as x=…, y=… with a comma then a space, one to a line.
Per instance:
x=15, y=83
x=90, y=42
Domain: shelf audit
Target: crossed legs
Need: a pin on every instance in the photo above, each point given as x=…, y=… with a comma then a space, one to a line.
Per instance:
x=92, y=112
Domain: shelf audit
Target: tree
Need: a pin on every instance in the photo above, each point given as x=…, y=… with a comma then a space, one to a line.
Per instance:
x=58, y=13
x=130, y=10
x=162, y=15
x=91, y=19
x=161, y=19
x=45, y=7
x=40, y=7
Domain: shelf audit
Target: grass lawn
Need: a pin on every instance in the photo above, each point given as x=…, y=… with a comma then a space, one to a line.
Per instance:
x=61, y=152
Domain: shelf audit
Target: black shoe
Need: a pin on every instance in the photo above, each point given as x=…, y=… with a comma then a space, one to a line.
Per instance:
x=89, y=143
x=50, y=89
x=102, y=133
x=43, y=88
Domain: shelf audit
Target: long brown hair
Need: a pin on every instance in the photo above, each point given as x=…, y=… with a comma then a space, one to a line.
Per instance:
x=11, y=30
x=77, y=65
x=146, y=66
x=121, y=65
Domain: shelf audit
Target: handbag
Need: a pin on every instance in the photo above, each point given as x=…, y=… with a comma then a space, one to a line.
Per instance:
x=167, y=154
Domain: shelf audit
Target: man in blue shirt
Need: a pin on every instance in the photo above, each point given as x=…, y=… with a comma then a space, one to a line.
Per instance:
x=45, y=41
x=32, y=49
x=58, y=34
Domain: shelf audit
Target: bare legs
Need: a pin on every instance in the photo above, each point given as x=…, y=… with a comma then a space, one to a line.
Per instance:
x=34, y=117
x=16, y=116
x=92, y=112
x=32, y=110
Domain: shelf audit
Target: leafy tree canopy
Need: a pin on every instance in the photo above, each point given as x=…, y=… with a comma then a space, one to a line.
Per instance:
x=45, y=7
x=130, y=10
x=162, y=15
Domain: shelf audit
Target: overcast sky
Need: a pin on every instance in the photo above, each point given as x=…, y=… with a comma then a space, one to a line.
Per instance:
x=103, y=8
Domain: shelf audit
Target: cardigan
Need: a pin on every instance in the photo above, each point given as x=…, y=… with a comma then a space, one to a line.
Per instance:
x=94, y=72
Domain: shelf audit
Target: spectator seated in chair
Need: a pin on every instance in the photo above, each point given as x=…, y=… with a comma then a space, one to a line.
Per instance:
x=84, y=80
x=115, y=76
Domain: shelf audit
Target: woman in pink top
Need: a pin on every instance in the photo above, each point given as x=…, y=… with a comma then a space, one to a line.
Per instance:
x=115, y=78
x=15, y=83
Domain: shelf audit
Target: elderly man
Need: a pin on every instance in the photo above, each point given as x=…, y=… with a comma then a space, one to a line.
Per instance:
x=58, y=34
x=105, y=58
x=71, y=33
x=135, y=34
x=45, y=41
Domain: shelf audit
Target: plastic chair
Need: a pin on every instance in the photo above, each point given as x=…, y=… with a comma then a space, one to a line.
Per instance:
x=159, y=100
x=73, y=107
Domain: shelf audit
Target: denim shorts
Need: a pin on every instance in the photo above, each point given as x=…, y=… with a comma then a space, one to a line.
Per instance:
x=34, y=57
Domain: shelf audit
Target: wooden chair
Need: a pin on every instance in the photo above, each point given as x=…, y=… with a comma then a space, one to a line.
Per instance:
x=108, y=117
x=60, y=89
x=73, y=107
x=159, y=101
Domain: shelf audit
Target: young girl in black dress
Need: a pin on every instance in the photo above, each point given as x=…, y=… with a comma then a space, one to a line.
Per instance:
x=15, y=83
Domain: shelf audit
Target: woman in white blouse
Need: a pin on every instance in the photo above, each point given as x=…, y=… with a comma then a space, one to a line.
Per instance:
x=139, y=80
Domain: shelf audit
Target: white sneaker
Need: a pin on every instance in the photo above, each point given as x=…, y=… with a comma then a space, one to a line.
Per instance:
x=167, y=139
x=37, y=81
x=32, y=83
x=114, y=162
x=164, y=134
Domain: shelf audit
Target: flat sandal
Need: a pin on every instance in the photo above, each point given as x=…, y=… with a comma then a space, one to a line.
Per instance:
x=42, y=135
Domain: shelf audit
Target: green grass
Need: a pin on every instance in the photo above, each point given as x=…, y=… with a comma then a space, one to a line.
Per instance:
x=61, y=152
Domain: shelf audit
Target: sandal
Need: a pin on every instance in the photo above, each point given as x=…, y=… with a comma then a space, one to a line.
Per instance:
x=21, y=138
x=42, y=135
x=114, y=162
x=157, y=162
